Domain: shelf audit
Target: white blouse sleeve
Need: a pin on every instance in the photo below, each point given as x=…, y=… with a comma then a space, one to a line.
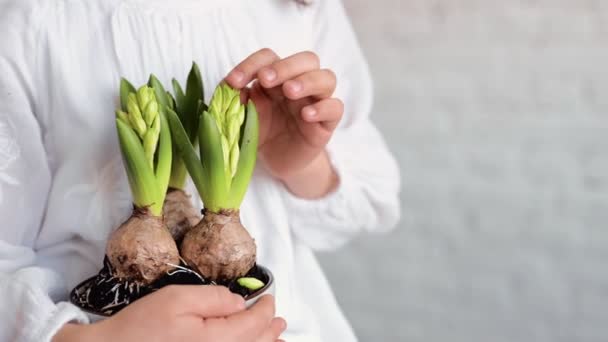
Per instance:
x=367, y=197
x=28, y=311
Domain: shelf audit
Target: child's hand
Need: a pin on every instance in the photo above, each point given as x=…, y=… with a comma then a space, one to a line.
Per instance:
x=184, y=313
x=297, y=117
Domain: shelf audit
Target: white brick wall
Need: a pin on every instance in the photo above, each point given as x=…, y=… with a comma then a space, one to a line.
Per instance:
x=499, y=119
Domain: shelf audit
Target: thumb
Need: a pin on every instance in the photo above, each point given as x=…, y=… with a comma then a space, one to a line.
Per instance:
x=205, y=300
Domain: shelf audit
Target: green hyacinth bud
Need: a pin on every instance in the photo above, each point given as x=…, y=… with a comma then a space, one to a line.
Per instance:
x=226, y=152
x=156, y=125
x=144, y=117
x=215, y=106
x=235, y=105
x=151, y=113
x=144, y=94
x=122, y=116
x=229, y=114
x=147, y=104
x=135, y=117
x=150, y=141
x=234, y=159
x=233, y=131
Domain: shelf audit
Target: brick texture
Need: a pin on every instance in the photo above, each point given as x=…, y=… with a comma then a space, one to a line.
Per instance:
x=498, y=114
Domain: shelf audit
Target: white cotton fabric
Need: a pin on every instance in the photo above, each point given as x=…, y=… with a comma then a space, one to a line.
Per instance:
x=62, y=183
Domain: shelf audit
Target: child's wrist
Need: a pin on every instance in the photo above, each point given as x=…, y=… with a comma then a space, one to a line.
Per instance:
x=314, y=181
x=72, y=332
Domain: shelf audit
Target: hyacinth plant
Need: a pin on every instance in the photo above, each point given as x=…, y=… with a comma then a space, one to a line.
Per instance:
x=219, y=247
x=142, y=249
x=180, y=214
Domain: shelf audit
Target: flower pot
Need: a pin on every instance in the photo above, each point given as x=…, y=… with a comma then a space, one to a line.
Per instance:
x=94, y=315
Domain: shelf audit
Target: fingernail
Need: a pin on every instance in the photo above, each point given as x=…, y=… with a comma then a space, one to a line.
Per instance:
x=236, y=75
x=295, y=86
x=269, y=74
x=309, y=112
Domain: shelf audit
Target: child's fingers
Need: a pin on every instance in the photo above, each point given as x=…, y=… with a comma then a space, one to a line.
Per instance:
x=319, y=121
x=274, y=330
x=253, y=321
x=245, y=92
x=288, y=68
x=318, y=83
x=315, y=134
x=217, y=301
x=246, y=71
x=328, y=112
x=275, y=93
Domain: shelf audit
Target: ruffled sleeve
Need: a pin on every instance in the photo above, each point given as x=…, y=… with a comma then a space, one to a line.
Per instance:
x=367, y=196
x=28, y=311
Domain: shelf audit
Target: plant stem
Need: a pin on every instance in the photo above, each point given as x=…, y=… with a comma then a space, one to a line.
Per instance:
x=179, y=173
x=164, y=158
x=141, y=178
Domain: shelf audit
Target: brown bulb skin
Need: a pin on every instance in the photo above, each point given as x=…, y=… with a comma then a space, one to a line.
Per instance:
x=142, y=249
x=219, y=247
x=180, y=215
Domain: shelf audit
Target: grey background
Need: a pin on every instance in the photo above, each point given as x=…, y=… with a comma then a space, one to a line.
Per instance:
x=497, y=113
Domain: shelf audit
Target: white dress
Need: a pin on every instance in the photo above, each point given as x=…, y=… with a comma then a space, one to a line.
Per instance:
x=62, y=183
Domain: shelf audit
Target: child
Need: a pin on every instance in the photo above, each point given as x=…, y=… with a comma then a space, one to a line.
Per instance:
x=63, y=187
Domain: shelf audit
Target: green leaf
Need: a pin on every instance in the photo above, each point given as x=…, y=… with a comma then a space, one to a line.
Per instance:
x=213, y=162
x=125, y=89
x=171, y=100
x=194, y=84
x=159, y=91
x=194, y=93
x=164, y=157
x=179, y=172
x=150, y=143
x=188, y=108
x=247, y=158
x=141, y=177
x=180, y=98
x=186, y=152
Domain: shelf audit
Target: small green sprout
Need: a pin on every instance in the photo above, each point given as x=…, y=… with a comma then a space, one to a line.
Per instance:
x=250, y=283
